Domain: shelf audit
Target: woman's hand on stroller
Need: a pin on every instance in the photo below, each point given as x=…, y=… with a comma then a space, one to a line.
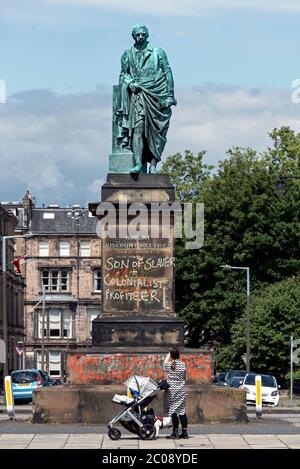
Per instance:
x=163, y=384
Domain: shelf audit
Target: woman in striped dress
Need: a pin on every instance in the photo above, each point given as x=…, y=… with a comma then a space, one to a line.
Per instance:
x=175, y=396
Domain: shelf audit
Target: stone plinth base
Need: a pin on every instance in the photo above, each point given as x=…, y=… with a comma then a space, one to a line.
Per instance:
x=120, y=162
x=93, y=404
x=104, y=367
x=138, y=332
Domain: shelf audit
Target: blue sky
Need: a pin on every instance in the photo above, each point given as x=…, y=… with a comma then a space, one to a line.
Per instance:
x=233, y=63
x=68, y=47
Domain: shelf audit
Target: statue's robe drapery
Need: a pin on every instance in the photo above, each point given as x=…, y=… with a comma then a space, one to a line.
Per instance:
x=151, y=71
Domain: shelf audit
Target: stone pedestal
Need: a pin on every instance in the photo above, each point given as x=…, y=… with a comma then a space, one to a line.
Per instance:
x=93, y=404
x=137, y=332
x=138, y=294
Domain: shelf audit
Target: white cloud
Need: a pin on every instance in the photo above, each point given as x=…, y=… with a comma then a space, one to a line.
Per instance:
x=216, y=119
x=53, y=11
x=58, y=146
x=185, y=8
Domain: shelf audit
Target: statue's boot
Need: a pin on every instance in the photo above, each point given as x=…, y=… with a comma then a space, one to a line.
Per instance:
x=138, y=167
x=152, y=169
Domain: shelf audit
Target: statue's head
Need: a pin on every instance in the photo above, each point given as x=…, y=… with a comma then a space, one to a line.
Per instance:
x=140, y=33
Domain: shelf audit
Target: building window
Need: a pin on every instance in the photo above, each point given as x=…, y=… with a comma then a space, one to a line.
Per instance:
x=54, y=363
x=39, y=361
x=64, y=248
x=93, y=313
x=40, y=324
x=54, y=323
x=58, y=322
x=97, y=280
x=67, y=325
x=43, y=248
x=85, y=250
x=55, y=280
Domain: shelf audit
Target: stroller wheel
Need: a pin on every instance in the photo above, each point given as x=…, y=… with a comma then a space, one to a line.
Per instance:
x=147, y=432
x=114, y=433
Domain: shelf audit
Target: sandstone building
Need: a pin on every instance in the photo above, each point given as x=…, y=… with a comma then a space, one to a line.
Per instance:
x=62, y=269
x=14, y=295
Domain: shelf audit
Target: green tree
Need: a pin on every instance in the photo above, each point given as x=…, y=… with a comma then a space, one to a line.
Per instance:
x=188, y=172
x=246, y=223
x=275, y=315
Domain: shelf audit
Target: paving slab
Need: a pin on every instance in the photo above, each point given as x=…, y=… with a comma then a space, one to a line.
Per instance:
x=19, y=436
x=232, y=445
x=228, y=441
x=13, y=446
x=153, y=444
x=267, y=447
x=91, y=438
x=289, y=438
x=82, y=447
x=121, y=447
x=122, y=441
x=263, y=440
x=56, y=441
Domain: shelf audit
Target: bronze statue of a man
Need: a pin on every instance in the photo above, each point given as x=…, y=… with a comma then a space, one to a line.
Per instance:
x=146, y=94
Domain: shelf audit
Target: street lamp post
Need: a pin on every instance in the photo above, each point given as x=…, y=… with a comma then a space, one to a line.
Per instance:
x=281, y=184
x=43, y=329
x=4, y=299
x=248, y=342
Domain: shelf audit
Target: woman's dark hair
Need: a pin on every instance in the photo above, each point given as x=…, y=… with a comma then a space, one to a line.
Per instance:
x=174, y=354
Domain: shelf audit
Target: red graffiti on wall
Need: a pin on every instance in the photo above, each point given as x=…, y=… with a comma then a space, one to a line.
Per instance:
x=116, y=368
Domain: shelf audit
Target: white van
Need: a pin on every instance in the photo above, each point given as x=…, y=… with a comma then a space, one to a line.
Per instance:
x=269, y=389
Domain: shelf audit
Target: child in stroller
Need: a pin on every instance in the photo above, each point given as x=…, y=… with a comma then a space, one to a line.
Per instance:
x=135, y=417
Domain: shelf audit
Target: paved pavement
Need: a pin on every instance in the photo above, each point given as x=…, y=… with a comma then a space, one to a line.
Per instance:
x=274, y=430
x=101, y=441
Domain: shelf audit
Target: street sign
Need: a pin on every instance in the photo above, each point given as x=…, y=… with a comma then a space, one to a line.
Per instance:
x=19, y=349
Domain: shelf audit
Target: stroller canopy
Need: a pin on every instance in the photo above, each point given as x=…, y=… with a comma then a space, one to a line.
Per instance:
x=141, y=385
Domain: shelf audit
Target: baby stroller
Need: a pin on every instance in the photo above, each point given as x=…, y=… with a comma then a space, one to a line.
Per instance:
x=135, y=418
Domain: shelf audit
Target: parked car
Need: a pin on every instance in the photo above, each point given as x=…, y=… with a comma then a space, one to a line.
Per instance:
x=236, y=382
x=219, y=378
x=269, y=389
x=47, y=381
x=24, y=382
x=296, y=386
x=234, y=374
x=56, y=382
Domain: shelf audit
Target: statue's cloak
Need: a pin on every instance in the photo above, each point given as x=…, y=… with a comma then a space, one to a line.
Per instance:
x=147, y=69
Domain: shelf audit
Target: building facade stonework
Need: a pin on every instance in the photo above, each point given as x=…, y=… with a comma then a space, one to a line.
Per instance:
x=62, y=268
x=14, y=292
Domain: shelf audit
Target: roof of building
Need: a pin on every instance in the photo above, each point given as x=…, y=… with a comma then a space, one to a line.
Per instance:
x=62, y=221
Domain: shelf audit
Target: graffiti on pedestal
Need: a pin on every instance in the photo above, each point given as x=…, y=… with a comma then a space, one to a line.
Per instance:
x=138, y=276
x=117, y=368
